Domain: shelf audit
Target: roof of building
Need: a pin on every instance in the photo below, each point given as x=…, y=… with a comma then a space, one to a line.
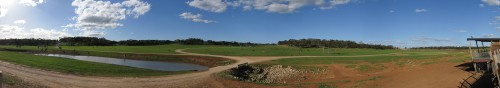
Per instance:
x=484, y=39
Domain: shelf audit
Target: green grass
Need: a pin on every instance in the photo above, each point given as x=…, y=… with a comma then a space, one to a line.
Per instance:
x=78, y=67
x=374, y=78
x=351, y=66
x=362, y=82
x=150, y=53
x=345, y=60
x=274, y=50
x=364, y=67
x=11, y=81
x=263, y=50
x=459, y=59
x=323, y=85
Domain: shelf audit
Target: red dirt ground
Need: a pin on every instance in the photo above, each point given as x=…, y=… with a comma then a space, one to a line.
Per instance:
x=441, y=74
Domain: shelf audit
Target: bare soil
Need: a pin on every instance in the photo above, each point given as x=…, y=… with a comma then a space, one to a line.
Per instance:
x=441, y=74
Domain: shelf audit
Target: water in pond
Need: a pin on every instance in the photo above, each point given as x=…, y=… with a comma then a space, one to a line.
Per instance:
x=154, y=65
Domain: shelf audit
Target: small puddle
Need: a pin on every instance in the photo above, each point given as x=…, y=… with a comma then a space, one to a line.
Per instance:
x=154, y=65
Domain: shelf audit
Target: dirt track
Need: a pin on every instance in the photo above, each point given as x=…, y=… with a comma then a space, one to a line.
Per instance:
x=58, y=80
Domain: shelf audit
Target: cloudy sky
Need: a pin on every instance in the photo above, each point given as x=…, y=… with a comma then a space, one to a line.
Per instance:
x=403, y=23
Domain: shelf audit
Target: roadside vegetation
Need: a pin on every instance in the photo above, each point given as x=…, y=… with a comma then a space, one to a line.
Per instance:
x=11, y=81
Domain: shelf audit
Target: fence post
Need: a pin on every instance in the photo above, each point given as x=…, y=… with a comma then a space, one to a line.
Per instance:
x=1, y=79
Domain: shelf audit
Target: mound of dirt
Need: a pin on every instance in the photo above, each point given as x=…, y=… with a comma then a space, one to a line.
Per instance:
x=263, y=74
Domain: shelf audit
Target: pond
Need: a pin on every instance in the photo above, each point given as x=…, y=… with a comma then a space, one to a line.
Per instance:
x=153, y=65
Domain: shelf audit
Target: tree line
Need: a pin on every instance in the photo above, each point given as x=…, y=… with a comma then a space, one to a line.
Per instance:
x=323, y=43
x=94, y=41
x=28, y=42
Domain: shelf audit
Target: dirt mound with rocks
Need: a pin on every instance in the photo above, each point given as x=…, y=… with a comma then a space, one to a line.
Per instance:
x=263, y=74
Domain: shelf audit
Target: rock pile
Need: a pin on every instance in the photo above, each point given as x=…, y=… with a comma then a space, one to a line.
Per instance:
x=264, y=74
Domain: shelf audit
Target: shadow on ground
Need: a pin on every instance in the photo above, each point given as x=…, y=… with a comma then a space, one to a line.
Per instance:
x=475, y=80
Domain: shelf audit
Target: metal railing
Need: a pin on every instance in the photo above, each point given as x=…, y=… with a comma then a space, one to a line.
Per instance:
x=481, y=55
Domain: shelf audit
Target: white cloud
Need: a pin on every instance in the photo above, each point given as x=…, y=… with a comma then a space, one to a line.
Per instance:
x=12, y=31
x=462, y=31
x=30, y=2
x=492, y=2
x=488, y=35
x=194, y=17
x=20, y=22
x=334, y=3
x=209, y=5
x=391, y=11
x=278, y=6
x=421, y=10
x=3, y=11
x=428, y=39
x=94, y=16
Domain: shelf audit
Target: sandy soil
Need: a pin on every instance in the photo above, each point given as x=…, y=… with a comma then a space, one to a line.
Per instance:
x=442, y=74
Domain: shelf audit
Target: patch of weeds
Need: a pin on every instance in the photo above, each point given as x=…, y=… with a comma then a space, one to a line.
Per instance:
x=10, y=80
x=225, y=74
x=343, y=81
x=429, y=62
x=361, y=82
x=374, y=67
x=358, y=83
x=323, y=85
x=14, y=82
x=374, y=78
x=350, y=66
x=364, y=67
x=401, y=64
x=459, y=59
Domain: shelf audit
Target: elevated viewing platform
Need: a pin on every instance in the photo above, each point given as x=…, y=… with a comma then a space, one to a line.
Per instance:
x=481, y=56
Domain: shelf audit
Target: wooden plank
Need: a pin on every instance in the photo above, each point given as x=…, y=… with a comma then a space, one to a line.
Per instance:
x=470, y=50
x=496, y=65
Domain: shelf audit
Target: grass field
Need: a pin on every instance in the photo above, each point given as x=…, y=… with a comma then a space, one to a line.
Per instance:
x=415, y=55
x=78, y=67
x=274, y=50
x=269, y=50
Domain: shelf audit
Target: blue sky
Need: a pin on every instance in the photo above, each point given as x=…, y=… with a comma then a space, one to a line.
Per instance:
x=403, y=23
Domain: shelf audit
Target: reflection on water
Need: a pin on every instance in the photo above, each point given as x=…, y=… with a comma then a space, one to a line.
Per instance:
x=154, y=65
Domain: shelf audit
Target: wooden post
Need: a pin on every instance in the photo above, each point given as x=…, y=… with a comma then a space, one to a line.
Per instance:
x=475, y=67
x=470, y=50
x=477, y=47
x=495, y=62
x=1, y=79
